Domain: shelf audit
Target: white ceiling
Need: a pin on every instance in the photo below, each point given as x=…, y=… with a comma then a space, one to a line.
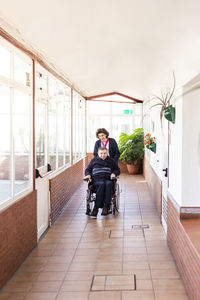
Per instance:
x=128, y=46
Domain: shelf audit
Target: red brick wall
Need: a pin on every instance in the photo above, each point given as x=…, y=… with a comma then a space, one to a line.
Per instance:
x=63, y=186
x=186, y=256
x=154, y=184
x=18, y=235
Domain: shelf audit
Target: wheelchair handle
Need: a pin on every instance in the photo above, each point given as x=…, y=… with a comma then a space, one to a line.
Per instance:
x=87, y=179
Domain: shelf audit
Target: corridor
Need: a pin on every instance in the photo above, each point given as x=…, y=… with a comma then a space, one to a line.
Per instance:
x=121, y=257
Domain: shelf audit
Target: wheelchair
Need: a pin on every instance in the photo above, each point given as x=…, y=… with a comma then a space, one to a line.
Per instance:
x=91, y=196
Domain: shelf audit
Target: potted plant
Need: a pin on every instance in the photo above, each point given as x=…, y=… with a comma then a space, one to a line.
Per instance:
x=131, y=148
x=150, y=142
x=164, y=101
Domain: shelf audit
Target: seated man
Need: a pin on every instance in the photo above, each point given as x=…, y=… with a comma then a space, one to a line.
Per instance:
x=101, y=170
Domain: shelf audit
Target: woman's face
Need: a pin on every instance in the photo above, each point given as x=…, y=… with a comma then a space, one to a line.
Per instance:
x=102, y=136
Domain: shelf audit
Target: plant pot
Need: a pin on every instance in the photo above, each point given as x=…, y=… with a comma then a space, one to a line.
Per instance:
x=133, y=169
x=152, y=147
x=169, y=113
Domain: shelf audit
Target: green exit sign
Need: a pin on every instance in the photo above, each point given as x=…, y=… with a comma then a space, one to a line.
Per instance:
x=128, y=112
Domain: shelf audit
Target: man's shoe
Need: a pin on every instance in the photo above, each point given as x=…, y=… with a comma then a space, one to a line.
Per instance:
x=104, y=211
x=94, y=212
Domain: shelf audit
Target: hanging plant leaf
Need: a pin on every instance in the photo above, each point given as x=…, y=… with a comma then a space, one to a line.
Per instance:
x=169, y=113
x=152, y=147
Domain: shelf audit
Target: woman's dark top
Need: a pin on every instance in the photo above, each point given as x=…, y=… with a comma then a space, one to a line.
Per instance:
x=113, y=149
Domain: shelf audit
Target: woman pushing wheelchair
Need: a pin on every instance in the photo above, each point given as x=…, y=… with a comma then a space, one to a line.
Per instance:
x=104, y=141
x=102, y=169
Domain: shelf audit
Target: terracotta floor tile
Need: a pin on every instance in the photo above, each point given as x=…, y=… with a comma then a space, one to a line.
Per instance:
x=107, y=295
x=42, y=252
x=110, y=258
x=138, y=250
x=165, y=273
x=41, y=296
x=98, y=283
x=79, y=276
x=82, y=266
x=60, y=259
x=12, y=296
x=140, y=274
x=46, y=286
x=31, y=267
x=72, y=286
x=162, y=265
x=107, y=272
x=144, y=284
x=120, y=280
x=135, y=257
x=72, y=296
x=51, y=276
x=134, y=265
x=18, y=287
x=168, y=284
x=56, y=267
x=114, y=266
x=171, y=295
x=25, y=276
x=76, y=248
x=138, y=295
x=84, y=258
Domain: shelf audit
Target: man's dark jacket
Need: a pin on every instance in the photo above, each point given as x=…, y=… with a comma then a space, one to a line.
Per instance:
x=102, y=169
x=113, y=149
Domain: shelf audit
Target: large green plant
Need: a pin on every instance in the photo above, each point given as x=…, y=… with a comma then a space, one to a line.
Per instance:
x=131, y=146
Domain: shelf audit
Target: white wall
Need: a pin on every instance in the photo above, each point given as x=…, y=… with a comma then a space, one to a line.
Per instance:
x=175, y=154
x=191, y=144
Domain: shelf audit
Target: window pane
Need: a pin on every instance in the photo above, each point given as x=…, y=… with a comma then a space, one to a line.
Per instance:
x=60, y=134
x=68, y=128
x=22, y=71
x=52, y=135
x=41, y=82
x=40, y=133
x=5, y=155
x=122, y=108
x=100, y=108
x=4, y=62
x=21, y=126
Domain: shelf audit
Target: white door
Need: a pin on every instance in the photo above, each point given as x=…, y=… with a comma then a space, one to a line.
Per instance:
x=165, y=172
x=42, y=168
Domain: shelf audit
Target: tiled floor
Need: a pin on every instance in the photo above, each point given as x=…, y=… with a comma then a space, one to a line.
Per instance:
x=108, y=258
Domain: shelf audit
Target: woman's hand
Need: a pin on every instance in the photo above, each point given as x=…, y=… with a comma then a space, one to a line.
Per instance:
x=112, y=176
x=87, y=177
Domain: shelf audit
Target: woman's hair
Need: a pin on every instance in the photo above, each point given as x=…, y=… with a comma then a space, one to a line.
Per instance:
x=102, y=130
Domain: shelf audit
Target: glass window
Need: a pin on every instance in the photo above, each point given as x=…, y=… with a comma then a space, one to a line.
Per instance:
x=60, y=133
x=4, y=62
x=22, y=71
x=122, y=117
x=5, y=149
x=41, y=81
x=40, y=133
x=78, y=127
x=52, y=135
x=21, y=126
x=67, y=109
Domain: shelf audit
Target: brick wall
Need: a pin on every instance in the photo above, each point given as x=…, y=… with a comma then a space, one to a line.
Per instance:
x=18, y=235
x=63, y=186
x=154, y=184
x=185, y=254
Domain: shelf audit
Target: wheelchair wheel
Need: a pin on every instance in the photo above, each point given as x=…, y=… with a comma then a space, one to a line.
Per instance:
x=90, y=198
x=117, y=196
